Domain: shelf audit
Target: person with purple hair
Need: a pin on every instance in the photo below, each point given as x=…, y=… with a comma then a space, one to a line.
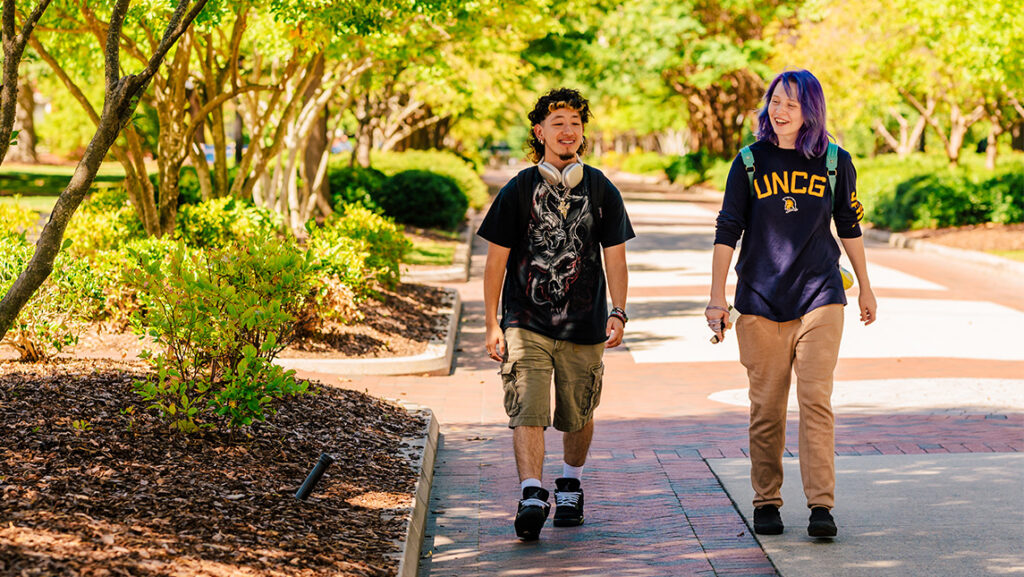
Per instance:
x=781, y=199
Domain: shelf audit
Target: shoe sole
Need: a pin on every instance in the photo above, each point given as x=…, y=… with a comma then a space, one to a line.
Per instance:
x=769, y=530
x=821, y=531
x=529, y=524
x=567, y=522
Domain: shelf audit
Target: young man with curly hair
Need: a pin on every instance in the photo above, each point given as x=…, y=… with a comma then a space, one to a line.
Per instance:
x=547, y=231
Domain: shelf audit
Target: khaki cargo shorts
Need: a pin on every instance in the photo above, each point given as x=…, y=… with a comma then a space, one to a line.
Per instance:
x=526, y=377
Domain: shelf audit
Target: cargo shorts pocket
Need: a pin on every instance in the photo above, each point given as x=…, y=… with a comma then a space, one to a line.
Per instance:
x=513, y=403
x=589, y=394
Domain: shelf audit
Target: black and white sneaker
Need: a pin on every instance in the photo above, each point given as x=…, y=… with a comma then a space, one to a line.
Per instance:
x=568, y=502
x=533, y=511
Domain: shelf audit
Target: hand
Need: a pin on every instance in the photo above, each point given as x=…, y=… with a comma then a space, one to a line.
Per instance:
x=868, y=306
x=495, y=343
x=717, y=319
x=614, y=330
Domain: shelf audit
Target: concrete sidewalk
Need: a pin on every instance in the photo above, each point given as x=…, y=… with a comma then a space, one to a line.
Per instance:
x=939, y=373
x=949, y=515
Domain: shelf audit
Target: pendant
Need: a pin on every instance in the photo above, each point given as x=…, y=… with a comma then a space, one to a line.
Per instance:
x=563, y=208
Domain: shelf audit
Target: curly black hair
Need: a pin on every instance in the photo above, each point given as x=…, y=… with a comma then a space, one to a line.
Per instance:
x=550, y=102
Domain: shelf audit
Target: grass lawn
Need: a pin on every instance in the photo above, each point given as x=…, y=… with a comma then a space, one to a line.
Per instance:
x=1012, y=254
x=431, y=246
x=36, y=203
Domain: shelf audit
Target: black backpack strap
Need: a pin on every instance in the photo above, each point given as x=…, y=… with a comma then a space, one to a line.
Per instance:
x=524, y=189
x=596, y=189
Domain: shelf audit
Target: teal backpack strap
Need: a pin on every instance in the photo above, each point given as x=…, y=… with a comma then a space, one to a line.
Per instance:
x=831, y=163
x=748, y=161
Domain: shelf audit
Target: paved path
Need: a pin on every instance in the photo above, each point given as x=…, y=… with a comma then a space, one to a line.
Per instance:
x=942, y=371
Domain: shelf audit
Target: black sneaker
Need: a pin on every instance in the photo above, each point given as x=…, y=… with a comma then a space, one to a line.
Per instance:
x=533, y=511
x=821, y=523
x=767, y=520
x=569, y=502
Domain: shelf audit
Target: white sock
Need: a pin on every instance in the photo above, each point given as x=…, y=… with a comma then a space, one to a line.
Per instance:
x=530, y=483
x=571, y=472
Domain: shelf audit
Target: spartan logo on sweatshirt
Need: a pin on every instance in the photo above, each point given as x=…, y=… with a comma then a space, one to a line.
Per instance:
x=789, y=204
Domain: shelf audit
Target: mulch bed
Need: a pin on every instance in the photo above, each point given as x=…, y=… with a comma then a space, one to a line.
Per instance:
x=92, y=484
x=399, y=322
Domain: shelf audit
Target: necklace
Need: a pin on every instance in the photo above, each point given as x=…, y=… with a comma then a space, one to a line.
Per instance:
x=563, y=205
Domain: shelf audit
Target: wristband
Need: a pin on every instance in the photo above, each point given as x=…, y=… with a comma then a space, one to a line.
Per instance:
x=620, y=314
x=716, y=308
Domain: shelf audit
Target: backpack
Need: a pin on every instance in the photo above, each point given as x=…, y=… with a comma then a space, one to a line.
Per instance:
x=592, y=182
x=831, y=163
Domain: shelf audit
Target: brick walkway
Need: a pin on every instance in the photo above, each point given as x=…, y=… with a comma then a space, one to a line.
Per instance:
x=654, y=507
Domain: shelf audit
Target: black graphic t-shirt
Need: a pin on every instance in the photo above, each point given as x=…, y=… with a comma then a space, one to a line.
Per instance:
x=789, y=260
x=554, y=279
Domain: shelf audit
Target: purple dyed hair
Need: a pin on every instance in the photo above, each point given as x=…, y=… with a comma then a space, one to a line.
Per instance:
x=812, y=140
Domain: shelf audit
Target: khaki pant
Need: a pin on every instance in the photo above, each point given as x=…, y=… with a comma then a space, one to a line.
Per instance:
x=771, y=352
x=526, y=377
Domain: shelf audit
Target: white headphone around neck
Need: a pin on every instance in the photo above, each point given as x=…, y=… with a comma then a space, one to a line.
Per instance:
x=569, y=176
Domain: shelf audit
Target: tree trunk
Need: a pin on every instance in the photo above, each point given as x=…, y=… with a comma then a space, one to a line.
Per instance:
x=13, y=42
x=1017, y=135
x=25, y=124
x=992, y=145
x=316, y=144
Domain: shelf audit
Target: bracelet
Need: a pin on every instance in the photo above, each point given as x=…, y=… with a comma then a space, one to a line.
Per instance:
x=619, y=313
x=716, y=308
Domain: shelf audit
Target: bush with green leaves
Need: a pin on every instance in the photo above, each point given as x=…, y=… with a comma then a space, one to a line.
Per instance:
x=441, y=162
x=424, y=199
x=120, y=300
x=361, y=248
x=354, y=185
x=933, y=201
x=646, y=163
x=1007, y=193
x=105, y=221
x=219, y=317
x=221, y=221
x=17, y=220
x=690, y=169
x=61, y=308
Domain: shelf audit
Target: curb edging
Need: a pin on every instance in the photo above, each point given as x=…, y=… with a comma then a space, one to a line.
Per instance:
x=898, y=240
x=409, y=558
x=435, y=360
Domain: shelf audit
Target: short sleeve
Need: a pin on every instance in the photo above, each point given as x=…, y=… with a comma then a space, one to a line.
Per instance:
x=732, y=219
x=848, y=211
x=500, y=224
x=615, y=225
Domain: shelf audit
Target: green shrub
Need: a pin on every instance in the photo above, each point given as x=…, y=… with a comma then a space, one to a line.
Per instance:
x=59, y=311
x=354, y=185
x=16, y=220
x=933, y=201
x=1007, y=193
x=690, y=169
x=359, y=249
x=440, y=162
x=220, y=316
x=424, y=199
x=105, y=221
x=120, y=299
x=221, y=221
x=649, y=163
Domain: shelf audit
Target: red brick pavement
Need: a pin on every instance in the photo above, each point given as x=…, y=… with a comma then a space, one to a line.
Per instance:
x=654, y=508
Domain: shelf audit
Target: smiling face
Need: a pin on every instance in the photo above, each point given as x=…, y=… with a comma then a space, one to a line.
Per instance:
x=561, y=133
x=785, y=114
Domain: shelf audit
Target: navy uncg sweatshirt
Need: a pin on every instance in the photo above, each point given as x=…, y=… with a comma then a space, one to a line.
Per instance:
x=789, y=260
